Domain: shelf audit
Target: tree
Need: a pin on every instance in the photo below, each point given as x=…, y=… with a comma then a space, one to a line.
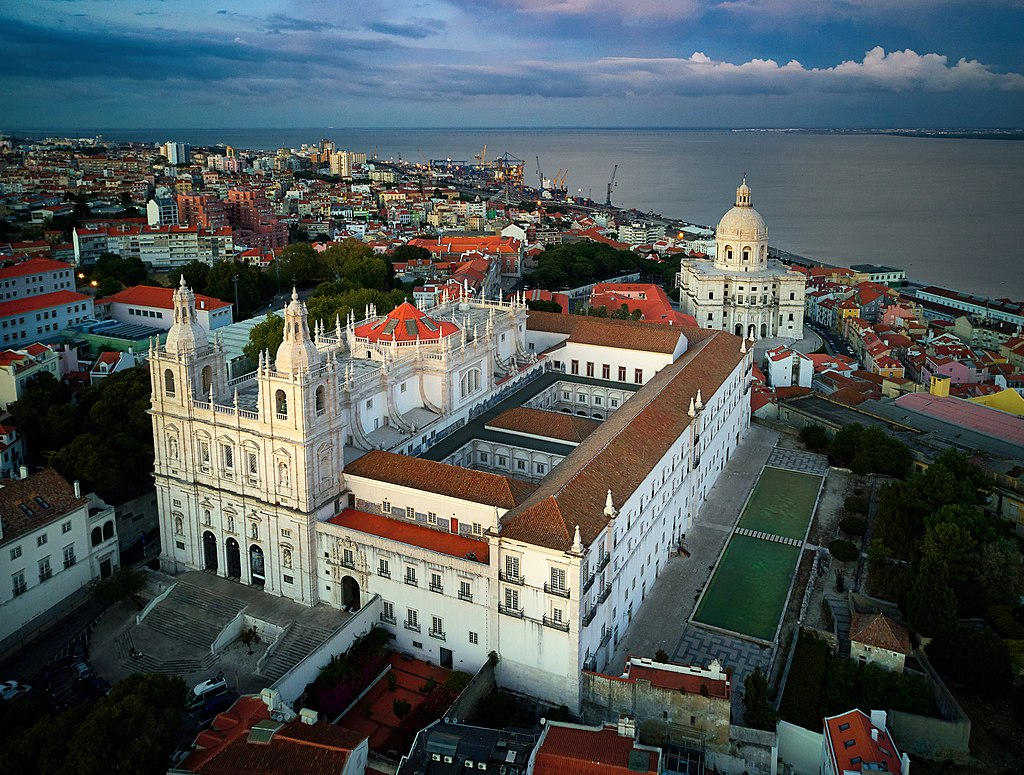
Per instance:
x=401, y=708
x=250, y=637
x=328, y=308
x=974, y=656
x=125, y=583
x=196, y=274
x=661, y=656
x=931, y=605
x=267, y=335
x=298, y=264
x=355, y=262
x=407, y=253
x=814, y=437
x=1001, y=571
x=543, y=306
x=757, y=707
x=254, y=287
x=853, y=526
x=108, y=286
x=125, y=270
x=843, y=550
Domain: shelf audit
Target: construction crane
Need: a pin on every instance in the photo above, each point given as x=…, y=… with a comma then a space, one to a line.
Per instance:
x=540, y=176
x=482, y=156
x=559, y=182
x=611, y=185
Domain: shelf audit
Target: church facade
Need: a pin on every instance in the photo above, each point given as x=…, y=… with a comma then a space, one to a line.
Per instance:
x=742, y=290
x=494, y=479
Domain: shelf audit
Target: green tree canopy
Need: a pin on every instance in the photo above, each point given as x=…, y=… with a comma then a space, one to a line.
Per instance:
x=869, y=450
x=267, y=335
x=298, y=264
x=111, y=266
x=330, y=306
x=355, y=262
x=931, y=604
x=578, y=263
x=254, y=287
x=406, y=253
x=196, y=274
x=758, y=711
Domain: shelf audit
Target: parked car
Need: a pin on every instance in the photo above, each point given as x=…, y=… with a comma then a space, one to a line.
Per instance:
x=10, y=690
x=83, y=670
x=203, y=692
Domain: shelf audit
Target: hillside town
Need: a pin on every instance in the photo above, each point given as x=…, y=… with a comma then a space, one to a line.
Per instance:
x=342, y=464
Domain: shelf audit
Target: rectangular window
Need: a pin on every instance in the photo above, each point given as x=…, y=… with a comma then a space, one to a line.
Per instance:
x=388, y=611
x=204, y=454
x=66, y=527
x=483, y=457
x=410, y=575
x=435, y=582
x=502, y=461
x=521, y=465
x=383, y=568
x=622, y=373
x=251, y=464
x=288, y=579
x=638, y=376
x=369, y=403
x=40, y=540
x=477, y=529
x=575, y=367
x=15, y=552
x=540, y=467
x=69, y=555
x=558, y=579
x=386, y=507
x=606, y=371
x=44, y=569
x=410, y=512
x=473, y=638
x=346, y=558
x=556, y=614
x=18, y=585
x=590, y=369
x=511, y=599
x=613, y=402
x=511, y=567
x=464, y=590
x=437, y=625
x=229, y=456
x=597, y=400
x=581, y=397
x=412, y=617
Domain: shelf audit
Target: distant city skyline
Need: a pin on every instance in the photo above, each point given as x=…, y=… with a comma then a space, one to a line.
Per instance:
x=525, y=63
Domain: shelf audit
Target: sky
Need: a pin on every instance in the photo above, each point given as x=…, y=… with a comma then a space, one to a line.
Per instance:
x=109, y=64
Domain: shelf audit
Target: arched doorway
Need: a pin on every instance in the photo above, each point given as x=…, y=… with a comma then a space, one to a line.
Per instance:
x=256, y=566
x=350, y=593
x=751, y=331
x=739, y=329
x=209, y=551
x=234, y=558
x=764, y=330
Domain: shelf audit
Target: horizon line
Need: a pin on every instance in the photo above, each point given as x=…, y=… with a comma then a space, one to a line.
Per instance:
x=560, y=127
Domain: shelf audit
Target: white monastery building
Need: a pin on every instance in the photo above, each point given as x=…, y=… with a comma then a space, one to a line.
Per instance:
x=742, y=290
x=494, y=479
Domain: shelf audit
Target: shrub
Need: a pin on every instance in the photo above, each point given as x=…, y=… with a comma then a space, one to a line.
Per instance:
x=853, y=526
x=1002, y=621
x=428, y=686
x=401, y=709
x=843, y=550
x=988, y=667
x=660, y=656
x=814, y=437
x=856, y=504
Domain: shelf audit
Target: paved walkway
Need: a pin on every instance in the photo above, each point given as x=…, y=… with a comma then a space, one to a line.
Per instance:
x=744, y=531
x=798, y=460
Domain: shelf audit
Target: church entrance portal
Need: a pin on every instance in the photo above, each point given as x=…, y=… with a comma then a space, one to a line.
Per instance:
x=350, y=593
x=764, y=330
x=739, y=329
x=209, y=551
x=256, y=572
x=234, y=558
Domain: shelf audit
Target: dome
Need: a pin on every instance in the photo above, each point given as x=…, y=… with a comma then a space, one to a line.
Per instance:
x=742, y=223
x=406, y=323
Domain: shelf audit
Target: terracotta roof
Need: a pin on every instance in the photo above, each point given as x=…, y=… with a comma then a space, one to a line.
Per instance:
x=881, y=631
x=550, y=425
x=405, y=323
x=412, y=534
x=666, y=678
x=33, y=266
x=574, y=751
x=441, y=478
x=853, y=749
x=21, y=513
x=162, y=298
x=627, y=334
x=622, y=452
x=42, y=301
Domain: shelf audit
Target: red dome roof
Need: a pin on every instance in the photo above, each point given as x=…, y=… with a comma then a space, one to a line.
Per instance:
x=405, y=323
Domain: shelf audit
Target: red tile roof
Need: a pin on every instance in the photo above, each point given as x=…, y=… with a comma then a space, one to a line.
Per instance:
x=406, y=323
x=627, y=334
x=550, y=425
x=441, y=478
x=854, y=742
x=51, y=487
x=42, y=301
x=412, y=534
x=33, y=266
x=881, y=631
x=574, y=751
x=161, y=298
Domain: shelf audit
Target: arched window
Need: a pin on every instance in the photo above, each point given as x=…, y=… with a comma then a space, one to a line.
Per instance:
x=728, y=252
x=179, y=528
x=169, y=382
x=470, y=382
x=207, y=379
x=108, y=529
x=281, y=404
x=319, y=399
x=286, y=557
x=746, y=254
x=97, y=535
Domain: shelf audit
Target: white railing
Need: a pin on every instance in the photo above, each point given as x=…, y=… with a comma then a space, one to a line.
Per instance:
x=241, y=379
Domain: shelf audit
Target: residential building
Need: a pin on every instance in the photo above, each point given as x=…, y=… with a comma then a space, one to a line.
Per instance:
x=41, y=318
x=742, y=290
x=611, y=749
x=12, y=451
x=649, y=299
x=886, y=275
x=18, y=367
x=641, y=232
x=34, y=277
x=157, y=246
x=877, y=639
x=154, y=306
x=111, y=362
x=788, y=368
x=162, y=211
x=854, y=742
x=203, y=210
x=995, y=309
x=53, y=542
x=445, y=747
x=176, y=153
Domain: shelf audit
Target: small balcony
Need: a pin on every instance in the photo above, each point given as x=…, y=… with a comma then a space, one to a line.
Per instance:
x=554, y=624
x=439, y=588
x=604, y=593
x=438, y=634
x=348, y=563
x=411, y=581
x=553, y=590
x=467, y=596
x=605, y=637
x=510, y=579
x=69, y=562
x=588, y=584
x=414, y=626
x=387, y=619
x=605, y=559
x=516, y=613
x=19, y=590
x=384, y=573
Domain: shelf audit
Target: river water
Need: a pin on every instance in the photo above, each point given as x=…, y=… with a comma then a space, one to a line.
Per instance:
x=949, y=211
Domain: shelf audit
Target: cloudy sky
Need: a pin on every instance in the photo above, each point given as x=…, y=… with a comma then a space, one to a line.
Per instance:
x=305, y=63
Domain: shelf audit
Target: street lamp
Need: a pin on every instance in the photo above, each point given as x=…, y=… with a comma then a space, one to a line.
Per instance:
x=234, y=280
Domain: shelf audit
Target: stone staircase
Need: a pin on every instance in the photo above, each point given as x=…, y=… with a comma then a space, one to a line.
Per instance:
x=192, y=615
x=298, y=642
x=148, y=663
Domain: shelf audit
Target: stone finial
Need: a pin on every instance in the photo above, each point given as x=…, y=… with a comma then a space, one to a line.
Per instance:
x=692, y=411
x=700, y=401
x=577, y=542
x=609, y=507
x=743, y=345
x=236, y=398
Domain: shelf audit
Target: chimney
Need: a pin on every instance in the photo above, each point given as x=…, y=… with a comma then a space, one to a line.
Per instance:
x=78, y=488
x=878, y=719
x=307, y=716
x=271, y=698
x=23, y=472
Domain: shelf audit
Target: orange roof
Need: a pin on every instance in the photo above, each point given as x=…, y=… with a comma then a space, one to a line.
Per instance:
x=849, y=743
x=441, y=478
x=881, y=631
x=405, y=323
x=413, y=534
x=33, y=266
x=42, y=301
x=540, y=422
x=626, y=334
x=162, y=298
x=575, y=751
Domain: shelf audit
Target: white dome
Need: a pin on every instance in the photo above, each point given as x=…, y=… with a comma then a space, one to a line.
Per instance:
x=742, y=223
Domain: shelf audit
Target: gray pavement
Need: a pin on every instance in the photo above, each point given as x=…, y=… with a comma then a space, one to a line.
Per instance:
x=798, y=460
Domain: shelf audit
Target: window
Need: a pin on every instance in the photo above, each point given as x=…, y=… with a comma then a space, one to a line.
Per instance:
x=566, y=395
x=66, y=527
x=169, y=382
x=383, y=568
x=437, y=625
x=18, y=585
x=638, y=376
x=477, y=529
x=410, y=512
x=575, y=367
x=590, y=369
x=711, y=294
x=281, y=405
x=228, y=456
x=435, y=583
x=483, y=457
x=556, y=614
x=606, y=371
x=369, y=403
x=511, y=567
x=849, y=743
x=431, y=518
x=410, y=575
x=558, y=579
x=346, y=557
x=319, y=399
x=402, y=388
x=44, y=569
x=40, y=540
x=386, y=507
x=613, y=402
x=792, y=296
x=464, y=590
x=15, y=552
x=540, y=467
x=473, y=638
x=388, y=611
x=790, y=315
x=502, y=461
x=204, y=454
x=511, y=599
x=622, y=373
x=412, y=618
x=252, y=465
x=521, y=465
x=287, y=579
x=285, y=533
x=69, y=555
x=581, y=397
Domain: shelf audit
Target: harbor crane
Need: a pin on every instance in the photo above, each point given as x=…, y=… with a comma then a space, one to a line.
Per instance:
x=482, y=156
x=611, y=185
x=540, y=176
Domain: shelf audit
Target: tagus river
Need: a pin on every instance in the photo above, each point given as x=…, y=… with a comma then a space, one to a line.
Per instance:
x=949, y=211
